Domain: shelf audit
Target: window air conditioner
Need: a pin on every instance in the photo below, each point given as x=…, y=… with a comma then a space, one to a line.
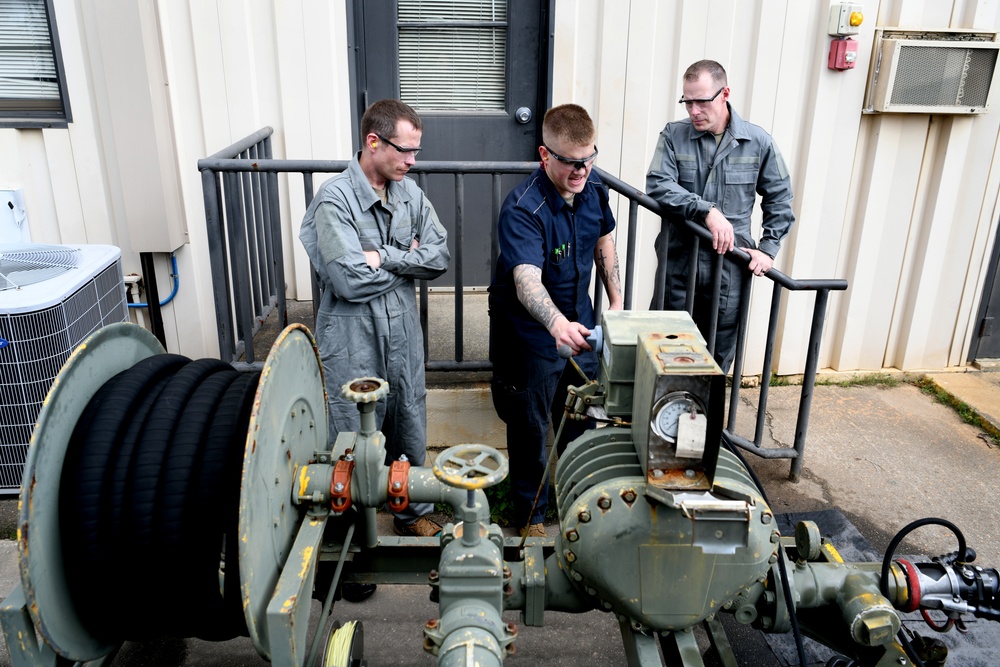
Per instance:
x=948, y=72
x=51, y=298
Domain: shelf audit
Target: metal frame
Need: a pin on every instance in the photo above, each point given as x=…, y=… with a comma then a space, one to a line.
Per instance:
x=241, y=208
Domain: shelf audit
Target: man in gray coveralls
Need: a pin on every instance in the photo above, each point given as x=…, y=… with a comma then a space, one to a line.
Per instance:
x=370, y=233
x=706, y=168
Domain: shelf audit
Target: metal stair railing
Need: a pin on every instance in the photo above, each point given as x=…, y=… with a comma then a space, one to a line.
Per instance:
x=245, y=248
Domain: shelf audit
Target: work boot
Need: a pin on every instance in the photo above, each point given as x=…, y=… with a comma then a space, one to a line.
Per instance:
x=422, y=527
x=357, y=592
x=534, y=530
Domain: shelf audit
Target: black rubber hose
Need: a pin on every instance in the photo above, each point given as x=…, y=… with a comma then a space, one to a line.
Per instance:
x=890, y=552
x=149, y=498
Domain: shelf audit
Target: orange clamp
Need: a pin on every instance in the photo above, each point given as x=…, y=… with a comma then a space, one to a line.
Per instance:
x=340, y=485
x=399, y=485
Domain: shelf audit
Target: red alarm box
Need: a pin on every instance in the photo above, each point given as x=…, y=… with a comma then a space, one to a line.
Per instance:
x=843, y=54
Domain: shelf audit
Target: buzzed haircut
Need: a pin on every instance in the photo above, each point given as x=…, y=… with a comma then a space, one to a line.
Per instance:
x=569, y=122
x=714, y=69
x=381, y=117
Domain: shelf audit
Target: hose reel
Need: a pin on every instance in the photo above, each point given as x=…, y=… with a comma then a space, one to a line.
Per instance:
x=160, y=501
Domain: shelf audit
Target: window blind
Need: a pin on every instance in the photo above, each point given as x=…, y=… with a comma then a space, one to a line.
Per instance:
x=29, y=80
x=453, y=54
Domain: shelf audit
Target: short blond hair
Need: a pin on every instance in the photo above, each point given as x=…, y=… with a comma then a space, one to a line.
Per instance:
x=570, y=123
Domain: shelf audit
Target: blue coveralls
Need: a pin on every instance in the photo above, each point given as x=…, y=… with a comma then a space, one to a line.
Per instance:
x=687, y=176
x=538, y=227
x=368, y=322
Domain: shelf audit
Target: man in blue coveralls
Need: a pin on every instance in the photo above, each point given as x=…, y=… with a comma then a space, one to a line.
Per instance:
x=554, y=227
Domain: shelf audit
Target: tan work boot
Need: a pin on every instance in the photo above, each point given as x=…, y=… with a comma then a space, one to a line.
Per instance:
x=422, y=527
x=534, y=530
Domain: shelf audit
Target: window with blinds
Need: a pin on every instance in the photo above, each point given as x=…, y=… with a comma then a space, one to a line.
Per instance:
x=453, y=54
x=32, y=88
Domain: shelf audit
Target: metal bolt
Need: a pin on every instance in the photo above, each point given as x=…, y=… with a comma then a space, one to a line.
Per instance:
x=338, y=487
x=577, y=576
x=775, y=537
x=591, y=591
x=604, y=502
x=396, y=486
x=570, y=556
x=506, y=572
x=606, y=604
x=765, y=518
x=690, y=473
x=584, y=516
x=402, y=457
x=433, y=575
x=431, y=624
x=773, y=559
x=572, y=535
x=657, y=474
x=348, y=456
x=719, y=534
x=628, y=496
x=512, y=628
x=901, y=660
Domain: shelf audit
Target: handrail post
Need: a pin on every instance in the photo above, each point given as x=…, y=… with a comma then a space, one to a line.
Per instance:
x=809, y=382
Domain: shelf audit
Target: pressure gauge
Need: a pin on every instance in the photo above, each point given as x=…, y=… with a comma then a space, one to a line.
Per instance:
x=670, y=409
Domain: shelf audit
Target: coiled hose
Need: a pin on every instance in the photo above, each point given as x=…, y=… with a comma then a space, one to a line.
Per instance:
x=149, y=501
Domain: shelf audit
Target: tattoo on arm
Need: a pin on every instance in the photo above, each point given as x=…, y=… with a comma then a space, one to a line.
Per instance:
x=610, y=276
x=533, y=295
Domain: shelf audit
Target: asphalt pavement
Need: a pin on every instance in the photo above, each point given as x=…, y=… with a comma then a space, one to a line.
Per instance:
x=877, y=458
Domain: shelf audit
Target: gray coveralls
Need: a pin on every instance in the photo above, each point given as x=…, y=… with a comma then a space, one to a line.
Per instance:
x=368, y=323
x=688, y=176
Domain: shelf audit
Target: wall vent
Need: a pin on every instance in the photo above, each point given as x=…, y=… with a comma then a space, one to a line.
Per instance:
x=948, y=72
x=55, y=297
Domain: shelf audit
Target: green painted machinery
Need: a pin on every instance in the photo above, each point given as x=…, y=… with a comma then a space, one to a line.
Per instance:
x=164, y=495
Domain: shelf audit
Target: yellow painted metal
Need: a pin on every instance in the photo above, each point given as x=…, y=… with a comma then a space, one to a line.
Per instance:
x=287, y=425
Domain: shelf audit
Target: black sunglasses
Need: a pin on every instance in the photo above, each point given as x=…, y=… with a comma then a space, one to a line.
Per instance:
x=704, y=100
x=400, y=148
x=577, y=164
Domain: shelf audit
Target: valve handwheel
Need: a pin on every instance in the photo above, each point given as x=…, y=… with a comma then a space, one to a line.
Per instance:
x=365, y=390
x=470, y=467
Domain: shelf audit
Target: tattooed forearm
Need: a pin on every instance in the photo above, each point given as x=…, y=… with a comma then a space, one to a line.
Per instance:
x=606, y=260
x=534, y=296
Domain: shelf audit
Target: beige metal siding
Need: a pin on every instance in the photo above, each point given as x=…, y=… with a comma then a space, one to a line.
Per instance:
x=904, y=206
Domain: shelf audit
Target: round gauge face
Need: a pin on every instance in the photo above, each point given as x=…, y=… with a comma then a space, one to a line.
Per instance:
x=671, y=408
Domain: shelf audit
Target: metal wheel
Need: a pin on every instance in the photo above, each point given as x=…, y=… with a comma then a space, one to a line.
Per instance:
x=470, y=466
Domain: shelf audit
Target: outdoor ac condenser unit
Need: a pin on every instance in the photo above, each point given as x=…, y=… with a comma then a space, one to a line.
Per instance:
x=949, y=72
x=51, y=298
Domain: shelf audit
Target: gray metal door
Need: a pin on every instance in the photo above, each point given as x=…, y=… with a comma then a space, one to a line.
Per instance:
x=477, y=72
x=986, y=340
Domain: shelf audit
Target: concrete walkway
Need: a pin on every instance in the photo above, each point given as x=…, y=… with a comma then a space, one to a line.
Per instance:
x=884, y=456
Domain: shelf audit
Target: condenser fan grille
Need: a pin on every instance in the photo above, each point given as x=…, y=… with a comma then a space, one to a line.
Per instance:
x=24, y=265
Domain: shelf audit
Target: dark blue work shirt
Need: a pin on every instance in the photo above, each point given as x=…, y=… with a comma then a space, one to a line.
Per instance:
x=538, y=227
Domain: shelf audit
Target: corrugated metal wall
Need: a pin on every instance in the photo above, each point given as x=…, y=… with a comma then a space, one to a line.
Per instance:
x=903, y=206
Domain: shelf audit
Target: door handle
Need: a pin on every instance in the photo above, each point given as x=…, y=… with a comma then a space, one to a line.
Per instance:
x=522, y=115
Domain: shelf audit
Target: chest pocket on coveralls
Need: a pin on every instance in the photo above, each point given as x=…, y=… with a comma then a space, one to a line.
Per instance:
x=401, y=233
x=740, y=186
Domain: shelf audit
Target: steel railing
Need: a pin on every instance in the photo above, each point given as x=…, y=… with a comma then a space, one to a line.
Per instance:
x=242, y=215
